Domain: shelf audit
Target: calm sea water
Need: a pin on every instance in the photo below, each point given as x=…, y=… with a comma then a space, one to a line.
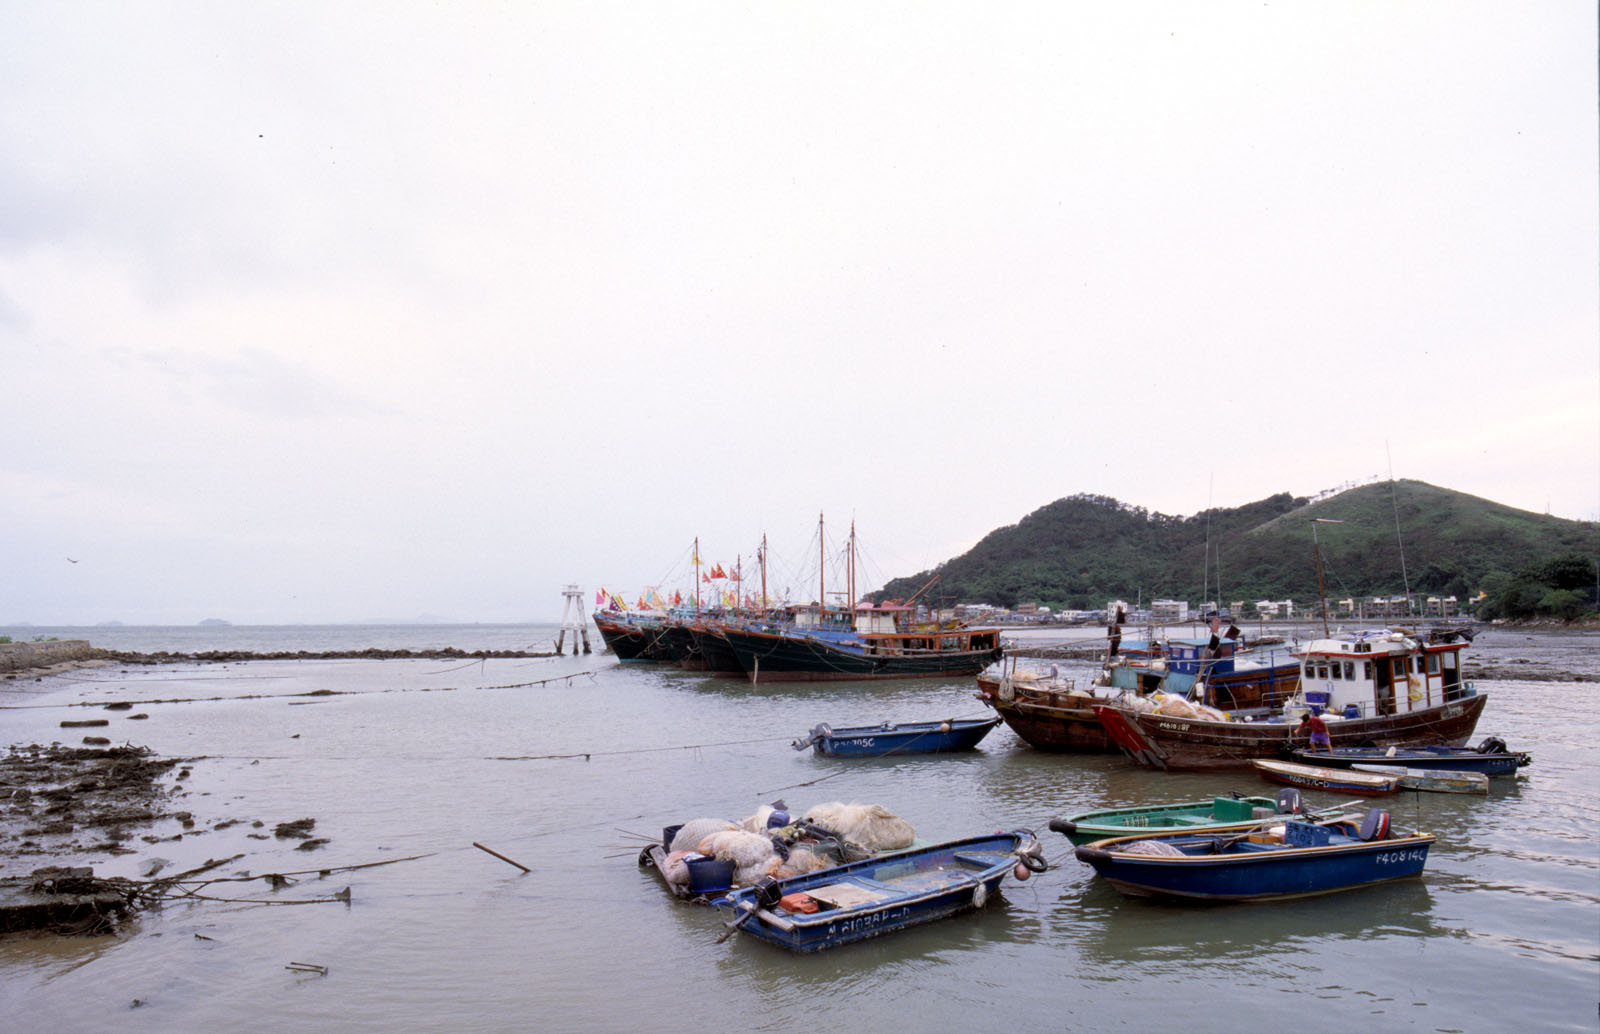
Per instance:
x=563, y=763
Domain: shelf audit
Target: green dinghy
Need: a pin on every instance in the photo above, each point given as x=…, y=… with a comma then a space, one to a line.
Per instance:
x=1219, y=814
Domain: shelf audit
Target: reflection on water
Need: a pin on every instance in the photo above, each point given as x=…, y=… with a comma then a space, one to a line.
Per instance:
x=426, y=757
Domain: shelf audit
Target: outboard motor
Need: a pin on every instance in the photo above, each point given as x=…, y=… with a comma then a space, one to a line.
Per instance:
x=768, y=893
x=1289, y=801
x=1376, y=825
x=1492, y=745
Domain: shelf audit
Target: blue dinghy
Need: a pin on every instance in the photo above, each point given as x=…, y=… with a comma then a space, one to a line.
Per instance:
x=1305, y=858
x=879, y=895
x=876, y=741
x=1489, y=757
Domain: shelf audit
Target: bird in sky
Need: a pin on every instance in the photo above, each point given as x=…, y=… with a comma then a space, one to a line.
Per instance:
x=71, y=561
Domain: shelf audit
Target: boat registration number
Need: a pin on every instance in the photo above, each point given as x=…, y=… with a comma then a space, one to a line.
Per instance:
x=1416, y=854
x=868, y=921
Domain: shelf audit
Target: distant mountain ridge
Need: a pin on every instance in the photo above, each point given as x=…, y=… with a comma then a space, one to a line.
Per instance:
x=1083, y=550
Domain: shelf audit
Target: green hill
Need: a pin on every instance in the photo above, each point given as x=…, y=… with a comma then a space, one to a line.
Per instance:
x=1081, y=551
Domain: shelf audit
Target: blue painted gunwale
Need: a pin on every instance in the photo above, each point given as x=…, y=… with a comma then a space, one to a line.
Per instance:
x=1247, y=871
x=875, y=741
x=911, y=887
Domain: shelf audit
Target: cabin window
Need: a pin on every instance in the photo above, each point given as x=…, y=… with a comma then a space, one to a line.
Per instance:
x=1366, y=670
x=1399, y=667
x=1449, y=660
x=1433, y=665
x=1336, y=672
x=1421, y=667
x=1350, y=670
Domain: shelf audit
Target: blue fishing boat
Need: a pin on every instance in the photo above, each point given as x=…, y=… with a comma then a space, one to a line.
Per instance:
x=876, y=741
x=882, y=894
x=1302, y=859
x=1490, y=757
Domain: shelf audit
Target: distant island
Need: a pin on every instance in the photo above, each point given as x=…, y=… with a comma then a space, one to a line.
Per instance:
x=215, y=623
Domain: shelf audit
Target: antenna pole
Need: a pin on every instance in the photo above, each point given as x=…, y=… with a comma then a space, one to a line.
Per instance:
x=1322, y=594
x=1394, y=500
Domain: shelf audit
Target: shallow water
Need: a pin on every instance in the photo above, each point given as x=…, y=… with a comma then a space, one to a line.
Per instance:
x=425, y=757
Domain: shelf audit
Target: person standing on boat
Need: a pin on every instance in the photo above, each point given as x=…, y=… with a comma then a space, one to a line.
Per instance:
x=1318, y=729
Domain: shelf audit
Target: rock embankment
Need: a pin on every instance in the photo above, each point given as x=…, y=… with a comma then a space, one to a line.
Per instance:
x=26, y=656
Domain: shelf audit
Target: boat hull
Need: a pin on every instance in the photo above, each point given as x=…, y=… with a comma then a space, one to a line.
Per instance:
x=1218, y=815
x=1433, y=757
x=685, y=648
x=1165, y=742
x=882, y=894
x=628, y=642
x=781, y=657
x=905, y=738
x=1331, y=780
x=716, y=656
x=1063, y=722
x=1432, y=780
x=1248, y=871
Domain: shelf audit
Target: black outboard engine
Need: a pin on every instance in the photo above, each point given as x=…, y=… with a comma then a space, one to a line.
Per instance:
x=1289, y=801
x=1492, y=745
x=768, y=893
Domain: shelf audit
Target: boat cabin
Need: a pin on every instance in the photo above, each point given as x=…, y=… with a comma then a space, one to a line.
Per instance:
x=883, y=618
x=1198, y=656
x=1380, y=672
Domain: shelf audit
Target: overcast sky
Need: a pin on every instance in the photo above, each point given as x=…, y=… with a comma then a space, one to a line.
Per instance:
x=335, y=312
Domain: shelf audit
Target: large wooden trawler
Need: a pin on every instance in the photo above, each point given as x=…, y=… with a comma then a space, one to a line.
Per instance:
x=1376, y=688
x=1052, y=713
x=880, y=642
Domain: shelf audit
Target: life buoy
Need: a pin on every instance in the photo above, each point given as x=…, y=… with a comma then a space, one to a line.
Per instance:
x=1416, y=688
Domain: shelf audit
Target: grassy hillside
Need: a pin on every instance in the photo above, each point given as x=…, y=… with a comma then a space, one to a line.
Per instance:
x=1081, y=551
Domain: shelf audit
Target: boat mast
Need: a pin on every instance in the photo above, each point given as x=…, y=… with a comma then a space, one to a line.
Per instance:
x=822, y=573
x=697, y=575
x=763, y=574
x=852, y=568
x=738, y=580
x=1322, y=595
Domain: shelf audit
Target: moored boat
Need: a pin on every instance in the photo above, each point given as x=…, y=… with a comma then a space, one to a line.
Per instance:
x=633, y=637
x=1333, y=780
x=1217, y=815
x=890, y=738
x=1377, y=688
x=1304, y=858
x=1490, y=757
x=880, y=895
x=884, y=644
x=1432, y=780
